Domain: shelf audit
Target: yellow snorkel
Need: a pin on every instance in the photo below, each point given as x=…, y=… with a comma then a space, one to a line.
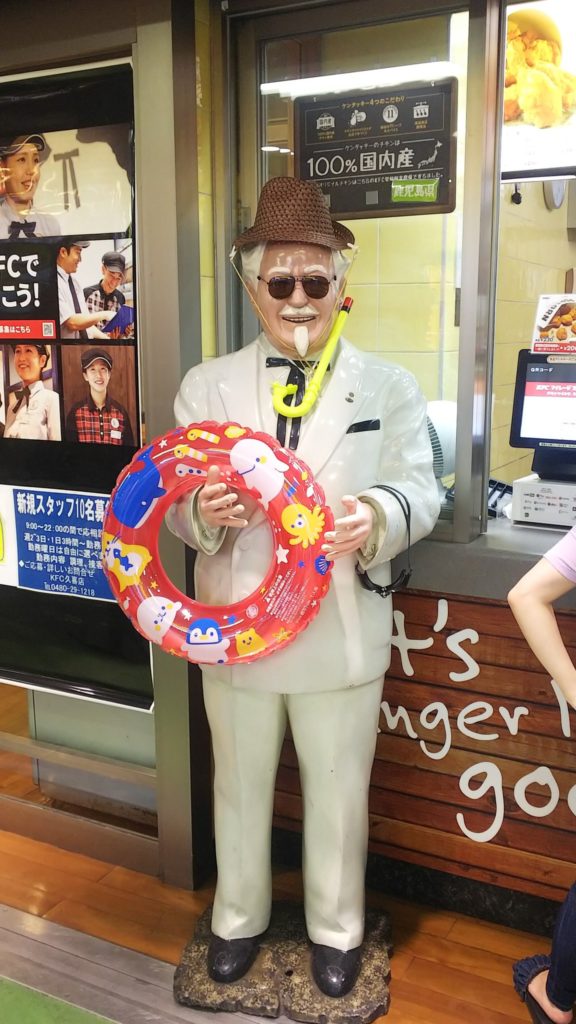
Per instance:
x=281, y=391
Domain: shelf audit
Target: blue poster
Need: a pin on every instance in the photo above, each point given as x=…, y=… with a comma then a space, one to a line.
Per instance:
x=58, y=542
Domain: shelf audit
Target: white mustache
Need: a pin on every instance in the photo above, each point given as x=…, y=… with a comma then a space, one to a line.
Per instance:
x=306, y=310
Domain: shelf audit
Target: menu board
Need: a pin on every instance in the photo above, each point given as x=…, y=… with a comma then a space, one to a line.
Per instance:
x=539, y=117
x=383, y=153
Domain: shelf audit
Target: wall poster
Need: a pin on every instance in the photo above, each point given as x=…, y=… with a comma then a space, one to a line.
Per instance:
x=69, y=399
x=385, y=153
x=555, y=325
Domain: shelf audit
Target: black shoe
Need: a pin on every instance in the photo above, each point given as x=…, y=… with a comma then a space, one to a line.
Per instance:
x=229, y=959
x=335, y=971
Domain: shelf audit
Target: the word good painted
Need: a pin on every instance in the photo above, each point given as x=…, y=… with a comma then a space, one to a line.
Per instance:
x=438, y=727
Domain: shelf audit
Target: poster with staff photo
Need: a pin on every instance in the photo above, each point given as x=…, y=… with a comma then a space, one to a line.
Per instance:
x=67, y=279
x=69, y=416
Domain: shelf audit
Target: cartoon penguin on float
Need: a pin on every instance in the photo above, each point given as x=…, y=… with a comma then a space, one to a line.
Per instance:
x=204, y=642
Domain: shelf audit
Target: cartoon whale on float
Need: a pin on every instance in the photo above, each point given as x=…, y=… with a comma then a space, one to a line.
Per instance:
x=138, y=492
x=260, y=467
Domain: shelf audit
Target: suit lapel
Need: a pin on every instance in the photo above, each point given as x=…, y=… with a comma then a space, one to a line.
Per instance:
x=237, y=389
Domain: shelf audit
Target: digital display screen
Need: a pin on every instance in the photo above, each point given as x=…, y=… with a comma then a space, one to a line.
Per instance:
x=539, y=116
x=544, y=410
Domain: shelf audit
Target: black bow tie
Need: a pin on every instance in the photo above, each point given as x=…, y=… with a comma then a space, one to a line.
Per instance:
x=299, y=368
x=21, y=396
x=24, y=227
x=300, y=364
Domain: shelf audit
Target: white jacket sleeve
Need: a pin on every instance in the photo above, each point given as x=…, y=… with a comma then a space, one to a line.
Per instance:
x=406, y=465
x=183, y=518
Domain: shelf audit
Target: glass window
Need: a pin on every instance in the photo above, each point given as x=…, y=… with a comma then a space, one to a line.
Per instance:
x=537, y=222
x=405, y=280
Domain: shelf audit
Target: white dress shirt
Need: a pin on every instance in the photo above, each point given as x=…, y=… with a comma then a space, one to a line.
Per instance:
x=66, y=304
x=37, y=420
x=46, y=224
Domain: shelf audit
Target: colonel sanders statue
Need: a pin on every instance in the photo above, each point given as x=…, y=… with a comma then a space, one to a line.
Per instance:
x=367, y=427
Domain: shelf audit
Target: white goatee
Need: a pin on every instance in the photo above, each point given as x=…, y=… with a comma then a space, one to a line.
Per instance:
x=301, y=339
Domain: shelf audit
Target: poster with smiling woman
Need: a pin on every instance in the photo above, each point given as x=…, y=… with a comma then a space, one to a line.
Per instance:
x=33, y=404
x=67, y=274
x=65, y=182
x=21, y=157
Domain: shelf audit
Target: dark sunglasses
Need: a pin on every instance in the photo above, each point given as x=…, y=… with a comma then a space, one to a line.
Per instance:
x=314, y=286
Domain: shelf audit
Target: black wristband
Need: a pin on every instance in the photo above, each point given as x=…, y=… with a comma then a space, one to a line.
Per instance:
x=404, y=576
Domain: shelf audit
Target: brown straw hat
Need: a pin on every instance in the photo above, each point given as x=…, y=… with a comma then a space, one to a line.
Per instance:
x=293, y=210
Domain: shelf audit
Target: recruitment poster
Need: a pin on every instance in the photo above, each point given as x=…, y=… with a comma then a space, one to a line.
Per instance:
x=69, y=407
x=50, y=541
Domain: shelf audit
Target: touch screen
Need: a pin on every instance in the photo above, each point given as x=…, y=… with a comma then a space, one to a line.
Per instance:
x=544, y=412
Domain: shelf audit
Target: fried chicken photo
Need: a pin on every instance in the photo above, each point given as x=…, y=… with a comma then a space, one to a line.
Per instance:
x=511, y=106
x=537, y=90
x=539, y=99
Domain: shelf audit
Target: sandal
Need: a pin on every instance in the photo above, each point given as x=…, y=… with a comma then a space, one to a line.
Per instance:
x=535, y=1010
x=523, y=971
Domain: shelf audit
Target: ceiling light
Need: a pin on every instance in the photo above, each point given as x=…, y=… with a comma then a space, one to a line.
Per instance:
x=374, y=79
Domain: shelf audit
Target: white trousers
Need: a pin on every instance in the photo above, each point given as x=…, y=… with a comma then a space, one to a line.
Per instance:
x=335, y=737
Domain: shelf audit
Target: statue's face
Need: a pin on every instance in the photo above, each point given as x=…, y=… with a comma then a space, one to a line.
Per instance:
x=288, y=319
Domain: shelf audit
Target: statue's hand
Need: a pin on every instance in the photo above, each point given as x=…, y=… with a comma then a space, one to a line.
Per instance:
x=217, y=505
x=350, y=532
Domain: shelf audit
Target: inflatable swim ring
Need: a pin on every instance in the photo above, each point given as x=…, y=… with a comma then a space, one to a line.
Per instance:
x=298, y=578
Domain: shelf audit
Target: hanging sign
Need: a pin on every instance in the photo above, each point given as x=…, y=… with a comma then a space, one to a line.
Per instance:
x=387, y=153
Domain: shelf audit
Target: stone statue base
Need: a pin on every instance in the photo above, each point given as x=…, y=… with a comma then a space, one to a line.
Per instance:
x=280, y=981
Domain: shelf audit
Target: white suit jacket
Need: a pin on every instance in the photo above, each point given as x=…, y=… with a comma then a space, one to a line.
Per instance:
x=367, y=427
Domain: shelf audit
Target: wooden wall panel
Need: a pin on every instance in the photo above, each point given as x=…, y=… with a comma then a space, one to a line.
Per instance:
x=521, y=787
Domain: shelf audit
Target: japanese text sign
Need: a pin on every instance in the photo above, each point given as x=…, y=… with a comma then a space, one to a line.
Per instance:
x=28, y=294
x=386, y=153
x=53, y=542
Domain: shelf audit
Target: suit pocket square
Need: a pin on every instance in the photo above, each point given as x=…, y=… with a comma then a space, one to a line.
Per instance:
x=357, y=428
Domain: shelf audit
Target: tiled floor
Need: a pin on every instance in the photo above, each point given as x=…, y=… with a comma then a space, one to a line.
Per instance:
x=125, y=986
